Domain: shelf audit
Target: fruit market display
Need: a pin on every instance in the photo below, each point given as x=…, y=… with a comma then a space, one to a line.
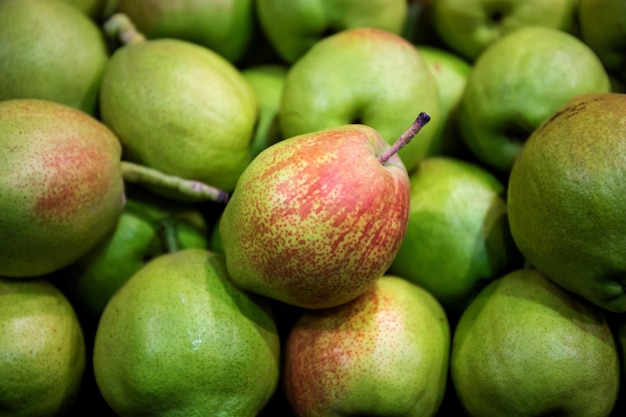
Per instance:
x=312, y=208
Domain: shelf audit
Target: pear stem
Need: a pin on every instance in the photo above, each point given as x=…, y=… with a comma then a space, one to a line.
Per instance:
x=169, y=235
x=195, y=190
x=405, y=138
x=121, y=27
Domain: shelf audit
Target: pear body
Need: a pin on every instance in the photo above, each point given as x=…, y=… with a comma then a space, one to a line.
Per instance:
x=364, y=76
x=178, y=339
x=60, y=57
x=526, y=347
x=222, y=26
x=315, y=219
x=180, y=108
x=42, y=350
x=458, y=236
x=384, y=354
x=565, y=198
x=517, y=83
x=61, y=187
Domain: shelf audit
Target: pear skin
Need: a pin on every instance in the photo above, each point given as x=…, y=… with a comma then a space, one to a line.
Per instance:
x=60, y=57
x=315, y=219
x=384, y=354
x=527, y=347
x=61, y=186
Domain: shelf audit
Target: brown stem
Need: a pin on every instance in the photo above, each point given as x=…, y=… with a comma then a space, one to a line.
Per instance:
x=406, y=137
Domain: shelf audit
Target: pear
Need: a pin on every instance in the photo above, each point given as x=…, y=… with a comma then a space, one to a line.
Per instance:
x=42, y=360
x=317, y=218
x=92, y=8
x=178, y=107
x=61, y=185
x=566, y=198
x=382, y=354
x=225, y=27
x=362, y=75
x=458, y=236
x=178, y=339
x=52, y=51
x=527, y=347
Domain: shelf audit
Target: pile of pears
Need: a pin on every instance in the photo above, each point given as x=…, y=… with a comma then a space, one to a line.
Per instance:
x=311, y=209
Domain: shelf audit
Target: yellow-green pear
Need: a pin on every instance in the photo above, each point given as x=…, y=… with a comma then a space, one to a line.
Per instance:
x=51, y=51
x=42, y=350
x=178, y=107
x=527, y=347
x=566, y=198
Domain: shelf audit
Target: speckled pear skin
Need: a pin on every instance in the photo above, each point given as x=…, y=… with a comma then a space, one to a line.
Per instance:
x=555, y=345
x=60, y=57
x=383, y=354
x=180, y=339
x=180, y=108
x=566, y=198
x=315, y=219
x=61, y=187
x=43, y=349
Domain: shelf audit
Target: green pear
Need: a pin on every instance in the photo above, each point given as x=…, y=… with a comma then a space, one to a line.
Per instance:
x=519, y=82
x=382, y=354
x=458, y=236
x=293, y=27
x=566, y=198
x=527, y=347
x=180, y=108
x=50, y=51
x=178, y=339
x=61, y=186
x=603, y=28
x=451, y=72
x=225, y=27
x=317, y=218
x=92, y=8
x=366, y=76
x=149, y=226
x=267, y=81
x=468, y=27
x=42, y=347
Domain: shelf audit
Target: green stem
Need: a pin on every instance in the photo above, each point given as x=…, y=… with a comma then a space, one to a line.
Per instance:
x=119, y=26
x=169, y=234
x=190, y=189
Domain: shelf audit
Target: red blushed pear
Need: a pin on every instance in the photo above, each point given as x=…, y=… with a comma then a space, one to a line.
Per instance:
x=317, y=218
x=61, y=186
x=383, y=354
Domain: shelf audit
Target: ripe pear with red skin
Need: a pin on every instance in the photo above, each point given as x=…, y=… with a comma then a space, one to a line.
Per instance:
x=316, y=219
x=61, y=186
x=383, y=354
